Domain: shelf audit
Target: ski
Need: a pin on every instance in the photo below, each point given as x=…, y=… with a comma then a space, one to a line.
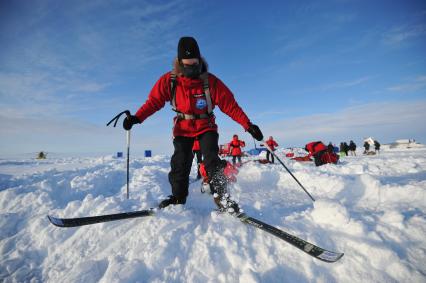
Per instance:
x=81, y=221
x=310, y=249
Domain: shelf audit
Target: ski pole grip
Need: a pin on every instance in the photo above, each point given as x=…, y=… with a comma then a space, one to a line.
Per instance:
x=127, y=112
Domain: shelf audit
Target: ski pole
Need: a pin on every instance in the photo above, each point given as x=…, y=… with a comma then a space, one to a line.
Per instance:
x=273, y=153
x=127, y=112
x=128, y=158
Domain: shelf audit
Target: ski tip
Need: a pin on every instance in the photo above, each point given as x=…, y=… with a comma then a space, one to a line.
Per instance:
x=328, y=256
x=55, y=221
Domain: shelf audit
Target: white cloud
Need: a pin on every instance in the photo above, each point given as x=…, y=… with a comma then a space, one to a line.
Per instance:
x=413, y=85
x=261, y=115
x=345, y=84
x=88, y=86
x=403, y=33
x=46, y=67
x=25, y=135
x=335, y=85
x=386, y=121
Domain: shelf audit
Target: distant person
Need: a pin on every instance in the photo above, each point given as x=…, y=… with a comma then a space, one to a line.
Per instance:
x=41, y=155
x=376, y=146
x=346, y=148
x=193, y=93
x=235, y=149
x=343, y=149
x=352, y=148
x=366, y=147
x=330, y=147
x=320, y=153
x=197, y=152
x=272, y=144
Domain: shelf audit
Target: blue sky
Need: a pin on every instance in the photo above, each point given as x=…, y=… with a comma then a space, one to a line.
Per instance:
x=301, y=70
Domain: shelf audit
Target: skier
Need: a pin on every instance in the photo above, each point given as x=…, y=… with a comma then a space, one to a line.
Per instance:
x=376, y=146
x=272, y=144
x=352, y=148
x=193, y=93
x=235, y=149
x=197, y=152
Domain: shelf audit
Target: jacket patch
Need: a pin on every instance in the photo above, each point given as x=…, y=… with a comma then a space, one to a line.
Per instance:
x=201, y=103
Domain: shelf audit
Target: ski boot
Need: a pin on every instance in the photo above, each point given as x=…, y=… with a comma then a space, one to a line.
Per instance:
x=206, y=188
x=171, y=200
x=226, y=204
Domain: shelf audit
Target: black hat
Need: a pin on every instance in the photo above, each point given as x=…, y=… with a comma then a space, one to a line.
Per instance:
x=188, y=48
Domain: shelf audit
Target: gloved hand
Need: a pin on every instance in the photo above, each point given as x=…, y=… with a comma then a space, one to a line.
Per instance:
x=255, y=132
x=128, y=122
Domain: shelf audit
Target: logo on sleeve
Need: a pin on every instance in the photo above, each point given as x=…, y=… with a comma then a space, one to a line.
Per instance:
x=201, y=103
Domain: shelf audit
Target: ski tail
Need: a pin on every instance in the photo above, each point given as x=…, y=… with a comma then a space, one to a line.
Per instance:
x=309, y=248
x=81, y=221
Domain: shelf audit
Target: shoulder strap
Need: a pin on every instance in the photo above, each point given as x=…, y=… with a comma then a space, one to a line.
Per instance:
x=173, y=83
x=205, y=78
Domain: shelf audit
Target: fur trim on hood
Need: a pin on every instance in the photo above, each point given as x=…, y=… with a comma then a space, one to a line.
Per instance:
x=177, y=68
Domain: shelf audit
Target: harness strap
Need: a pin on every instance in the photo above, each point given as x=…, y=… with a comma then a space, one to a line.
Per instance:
x=205, y=78
x=173, y=83
x=184, y=116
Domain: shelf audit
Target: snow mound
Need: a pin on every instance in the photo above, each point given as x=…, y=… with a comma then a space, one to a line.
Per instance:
x=330, y=213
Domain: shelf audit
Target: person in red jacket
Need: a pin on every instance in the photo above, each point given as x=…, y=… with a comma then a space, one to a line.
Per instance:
x=272, y=144
x=235, y=147
x=197, y=152
x=193, y=93
x=321, y=153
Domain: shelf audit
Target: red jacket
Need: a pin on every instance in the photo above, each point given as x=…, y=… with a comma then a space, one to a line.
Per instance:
x=236, y=146
x=271, y=143
x=229, y=171
x=187, y=91
x=315, y=147
x=196, y=146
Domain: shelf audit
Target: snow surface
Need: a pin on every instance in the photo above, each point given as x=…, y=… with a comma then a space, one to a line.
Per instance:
x=372, y=208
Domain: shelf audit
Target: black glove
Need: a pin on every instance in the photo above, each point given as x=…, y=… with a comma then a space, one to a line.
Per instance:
x=128, y=122
x=255, y=132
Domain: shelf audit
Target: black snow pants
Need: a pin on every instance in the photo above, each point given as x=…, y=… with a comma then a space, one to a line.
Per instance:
x=268, y=153
x=181, y=163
